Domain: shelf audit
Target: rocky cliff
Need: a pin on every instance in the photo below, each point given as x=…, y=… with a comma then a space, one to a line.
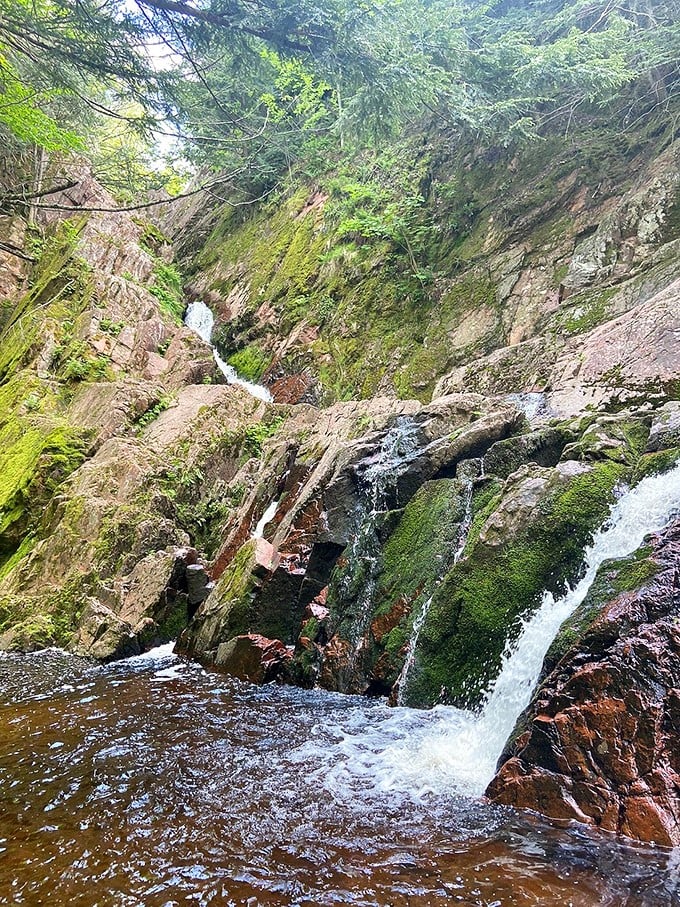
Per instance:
x=450, y=425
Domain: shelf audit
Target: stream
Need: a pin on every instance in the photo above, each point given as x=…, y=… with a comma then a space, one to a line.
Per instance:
x=199, y=319
x=151, y=782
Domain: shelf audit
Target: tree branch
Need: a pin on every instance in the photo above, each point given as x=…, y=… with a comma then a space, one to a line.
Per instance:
x=11, y=249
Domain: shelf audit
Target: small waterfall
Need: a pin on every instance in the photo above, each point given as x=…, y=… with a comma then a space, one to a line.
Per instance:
x=266, y=518
x=533, y=404
x=399, y=447
x=647, y=508
x=456, y=750
x=469, y=470
x=378, y=477
x=201, y=320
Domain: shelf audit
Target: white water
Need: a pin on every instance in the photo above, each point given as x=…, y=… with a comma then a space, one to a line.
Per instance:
x=201, y=320
x=533, y=404
x=266, y=518
x=454, y=750
x=398, y=448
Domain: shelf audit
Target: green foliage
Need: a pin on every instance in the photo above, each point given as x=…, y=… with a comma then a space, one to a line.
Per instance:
x=167, y=288
x=111, y=327
x=164, y=402
x=21, y=113
x=256, y=435
x=250, y=362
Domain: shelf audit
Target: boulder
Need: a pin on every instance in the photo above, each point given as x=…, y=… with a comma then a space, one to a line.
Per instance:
x=665, y=430
x=252, y=657
x=230, y=609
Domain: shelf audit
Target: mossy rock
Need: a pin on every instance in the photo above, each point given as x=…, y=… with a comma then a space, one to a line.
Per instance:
x=543, y=447
x=242, y=602
x=503, y=576
x=653, y=464
x=621, y=438
x=627, y=574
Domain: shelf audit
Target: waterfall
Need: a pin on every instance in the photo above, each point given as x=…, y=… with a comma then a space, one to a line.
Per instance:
x=266, y=517
x=450, y=749
x=469, y=470
x=378, y=479
x=533, y=404
x=201, y=320
x=399, y=447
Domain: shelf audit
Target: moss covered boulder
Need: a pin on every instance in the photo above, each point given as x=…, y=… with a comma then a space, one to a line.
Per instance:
x=527, y=539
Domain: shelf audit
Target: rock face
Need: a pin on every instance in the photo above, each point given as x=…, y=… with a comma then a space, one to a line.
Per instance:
x=599, y=742
x=451, y=517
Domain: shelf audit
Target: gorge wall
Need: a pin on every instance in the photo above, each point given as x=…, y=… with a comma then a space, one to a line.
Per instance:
x=450, y=424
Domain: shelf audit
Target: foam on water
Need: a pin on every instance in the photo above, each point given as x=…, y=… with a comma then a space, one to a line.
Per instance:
x=201, y=320
x=455, y=750
x=159, y=653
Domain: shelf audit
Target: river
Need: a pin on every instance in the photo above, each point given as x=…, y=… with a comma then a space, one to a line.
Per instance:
x=151, y=782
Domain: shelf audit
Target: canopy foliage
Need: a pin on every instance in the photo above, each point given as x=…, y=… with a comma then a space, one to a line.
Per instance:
x=256, y=88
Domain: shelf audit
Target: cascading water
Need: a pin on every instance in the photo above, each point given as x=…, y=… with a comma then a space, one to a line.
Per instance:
x=266, y=518
x=469, y=470
x=457, y=750
x=533, y=404
x=379, y=485
x=201, y=320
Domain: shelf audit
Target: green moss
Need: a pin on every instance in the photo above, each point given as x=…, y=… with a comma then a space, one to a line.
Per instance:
x=37, y=453
x=425, y=537
x=479, y=602
x=587, y=310
x=614, y=578
x=167, y=288
x=234, y=594
x=656, y=463
x=250, y=363
x=255, y=435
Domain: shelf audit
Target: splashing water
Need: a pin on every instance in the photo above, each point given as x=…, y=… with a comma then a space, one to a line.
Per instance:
x=201, y=320
x=456, y=750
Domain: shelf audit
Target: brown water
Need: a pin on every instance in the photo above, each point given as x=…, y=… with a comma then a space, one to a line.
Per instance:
x=153, y=783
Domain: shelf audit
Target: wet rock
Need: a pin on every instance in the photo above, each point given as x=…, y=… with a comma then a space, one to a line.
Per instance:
x=230, y=609
x=103, y=635
x=665, y=430
x=527, y=536
x=151, y=608
x=252, y=657
x=543, y=447
x=599, y=742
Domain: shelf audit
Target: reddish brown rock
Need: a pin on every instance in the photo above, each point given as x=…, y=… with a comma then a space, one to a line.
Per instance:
x=252, y=657
x=601, y=742
x=385, y=623
x=291, y=388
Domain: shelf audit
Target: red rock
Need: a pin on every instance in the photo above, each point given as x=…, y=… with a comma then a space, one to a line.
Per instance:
x=290, y=389
x=266, y=558
x=385, y=623
x=317, y=611
x=602, y=742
